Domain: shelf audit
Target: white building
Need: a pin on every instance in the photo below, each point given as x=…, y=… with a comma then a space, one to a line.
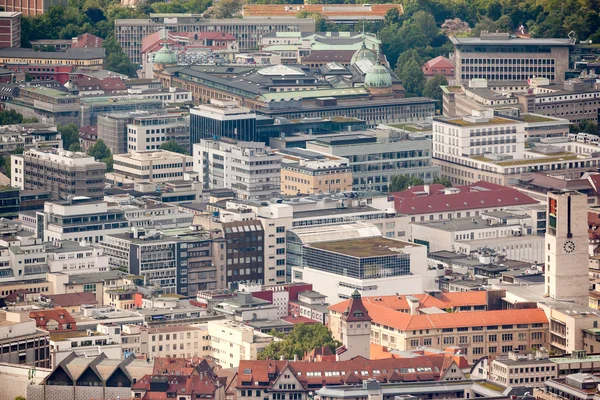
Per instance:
x=512, y=235
x=151, y=214
x=78, y=220
x=249, y=168
x=373, y=265
x=150, y=132
x=106, y=338
x=71, y=257
x=149, y=166
x=233, y=341
x=179, y=341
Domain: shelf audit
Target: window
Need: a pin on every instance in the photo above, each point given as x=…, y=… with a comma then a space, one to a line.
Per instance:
x=507, y=337
x=449, y=340
x=477, y=338
x=506, y=349
x=492, y=350
x=492, y=338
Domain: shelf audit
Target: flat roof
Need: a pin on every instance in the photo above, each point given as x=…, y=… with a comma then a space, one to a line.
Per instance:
x=335, y=211
x=491, y=121
x=510, y=41
x=83, y=53
x=364, y=247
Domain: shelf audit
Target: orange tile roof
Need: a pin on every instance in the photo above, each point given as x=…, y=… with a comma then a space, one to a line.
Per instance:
x=406, y=322
x=326, y=10
x=444, y=300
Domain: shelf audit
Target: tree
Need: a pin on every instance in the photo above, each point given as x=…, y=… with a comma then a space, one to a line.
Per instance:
x=455, y=26
x=101, y=152
x=172, y=145
x=303, y=338
x=405, y=58
x=75, y=147
x=433, y=89
x=227, y=8
x=402, y=182
x=442, y=180
x=426, y=24
x=413, y=79
x=116, y=59
x=20, y=398
x=69, y=134
x=10, y=117
x=584, y=126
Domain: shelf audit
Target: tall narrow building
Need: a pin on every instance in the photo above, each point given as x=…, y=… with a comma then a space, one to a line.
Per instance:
x=355, y=330
x=567, y=247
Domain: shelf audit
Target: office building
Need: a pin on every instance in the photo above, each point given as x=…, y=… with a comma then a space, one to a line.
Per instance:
x=27, y=136
x=523, y=370
x=11, y=29
x=308, y=172
x=236, y=342
x=49, y=105
x=579, y=386
x=22, y=342
x=477, y=333
x=112, y=129
x=567, y=276
x=222, y=119
x=376, y=156
x=29, y=8
x=154, y=166
x=130, y=32
x=336, y=13
x=150, y=132
x=82, y=57
x=249, y=168
x=500, y=57
x=9, y=201
x=63, y=173
x=372, y=264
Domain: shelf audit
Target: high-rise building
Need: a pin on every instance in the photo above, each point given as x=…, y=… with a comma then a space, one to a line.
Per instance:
x=149, y=132
x=156, y=166
x=63, y=173
x=10, y=32
x=566, y=272
x=222, y=119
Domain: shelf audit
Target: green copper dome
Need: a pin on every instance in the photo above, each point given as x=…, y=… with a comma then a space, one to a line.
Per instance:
x=364, y=54
x=378, y=77
x=165, y=56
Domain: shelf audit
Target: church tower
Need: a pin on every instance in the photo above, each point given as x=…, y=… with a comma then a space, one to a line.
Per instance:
x=566, y=261
x=356, y=330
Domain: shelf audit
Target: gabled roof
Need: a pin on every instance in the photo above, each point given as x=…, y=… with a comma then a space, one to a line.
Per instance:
x=60, y=315
x=440, y=300
x=87, y=40
x=356, y=311
x=406, y=322
x=72, y=299
x=479, y=195
x=438, y=62
x=188, y=385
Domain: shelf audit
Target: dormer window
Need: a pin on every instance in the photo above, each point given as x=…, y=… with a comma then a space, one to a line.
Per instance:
x=358, y=314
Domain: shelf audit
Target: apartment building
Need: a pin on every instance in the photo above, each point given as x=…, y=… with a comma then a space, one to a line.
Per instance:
x=500, y=57
x=27, y=136
x=156, y=166
x=477, y=333
x=233, y=342
x=63, y=173
x=11, y=29
x=112, y=129
x=150, y=132
x=130, y=32
x=179, y=341
x=376, y=156
x=250, y=168
x=523, y=370
x=70, y=257
x=22, y=342
x=79, y=220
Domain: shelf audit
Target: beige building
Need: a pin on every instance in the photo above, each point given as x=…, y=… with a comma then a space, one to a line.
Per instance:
x=232, y=342
x=149, y=166
x=319, y=176
x=500, y=57
x=179, y=341
x=530, y=369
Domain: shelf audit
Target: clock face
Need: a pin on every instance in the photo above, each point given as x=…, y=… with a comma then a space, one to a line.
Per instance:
x=569, y=246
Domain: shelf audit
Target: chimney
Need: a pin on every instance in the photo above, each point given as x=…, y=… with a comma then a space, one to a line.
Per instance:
x=426, y=189
x=295, y=357
x=413, y=303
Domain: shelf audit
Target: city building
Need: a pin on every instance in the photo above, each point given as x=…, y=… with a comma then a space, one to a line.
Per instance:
x=28, y=8
x=54, y=320
x=27, y=136
x=336, y=13
x=81, y=57
x=222, y=119
x=500, y=57
x=22, y=342
x=10, y=199
x=178, y=341
x=149, y=132
x=378, y=264
x=11, y=29
x=476, y=333
x=81, y=377
x=579, y=386
x=249, y=168
x=112, y=129
x=376, y=156
x=47, y=104
x=94, y=106
x=309, y=172
x=155, y=166
x=71, y=257
x=523, y=370
x=234, y=342
x=130, y=32
x=203, y=385
x=63, y=173
x=514, y=234
x=439, y=65
x=81, y=220
x=86, y=40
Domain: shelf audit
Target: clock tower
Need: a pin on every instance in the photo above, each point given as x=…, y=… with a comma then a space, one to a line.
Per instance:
x=566, y=271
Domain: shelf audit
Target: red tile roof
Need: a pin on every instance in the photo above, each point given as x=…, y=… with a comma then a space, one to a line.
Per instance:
x=256, y=373
x=407, y=322
x=154, y=42
x=299, y=320
x=440, y=62
x=193, y=386
x=60, y=315
x=87, y=40
x=72, y=299
x=356, y=311
x=479, y=195
x=106, y=84
x=442, y=300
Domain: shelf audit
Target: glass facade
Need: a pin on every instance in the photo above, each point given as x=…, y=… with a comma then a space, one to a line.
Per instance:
x=202, y=127
x=355, y=267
